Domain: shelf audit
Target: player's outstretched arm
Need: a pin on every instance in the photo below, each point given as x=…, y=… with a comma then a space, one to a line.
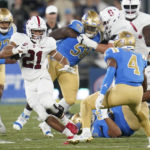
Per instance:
x=83, y=39
x=7, y=51
x=62, y=60
x=113, y=129
x=59, y=57
x=62, y=33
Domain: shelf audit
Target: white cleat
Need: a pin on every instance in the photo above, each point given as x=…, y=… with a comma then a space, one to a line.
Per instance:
x=80, y=138
x=46, y=129
x=20, y=122
x=148, y=146
x=2, y=127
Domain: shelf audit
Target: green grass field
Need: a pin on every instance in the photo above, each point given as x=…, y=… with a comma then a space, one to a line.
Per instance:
x=31, y=138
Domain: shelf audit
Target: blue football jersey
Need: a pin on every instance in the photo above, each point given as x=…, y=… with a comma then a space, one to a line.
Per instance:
x=130, y=66
x=4, y=38
x=100, y=127
x=71, y=49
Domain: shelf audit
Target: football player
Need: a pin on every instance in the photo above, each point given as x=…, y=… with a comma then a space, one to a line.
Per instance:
x=7, y=28
x=34, y=48
x=127, y=67
x=131, y=19
x=115, y=122
x=69, y=47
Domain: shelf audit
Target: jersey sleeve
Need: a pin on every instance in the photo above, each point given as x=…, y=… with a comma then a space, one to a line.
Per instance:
x=77, y=26
x=51, y=44
x=17, y=38
x=111, y=53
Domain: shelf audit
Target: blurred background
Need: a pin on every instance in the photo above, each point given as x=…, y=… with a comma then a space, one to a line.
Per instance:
x=92, y=68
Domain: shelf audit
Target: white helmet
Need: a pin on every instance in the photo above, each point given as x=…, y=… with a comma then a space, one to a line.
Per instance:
x=109, y=16
x=131, y=8
x=36, y=23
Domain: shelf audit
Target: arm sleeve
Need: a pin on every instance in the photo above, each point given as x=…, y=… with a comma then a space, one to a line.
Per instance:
x=108, y=79
x=2, y=61
x=100, y=129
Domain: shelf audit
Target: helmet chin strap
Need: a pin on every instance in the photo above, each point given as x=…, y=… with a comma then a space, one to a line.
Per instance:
x=4, y=30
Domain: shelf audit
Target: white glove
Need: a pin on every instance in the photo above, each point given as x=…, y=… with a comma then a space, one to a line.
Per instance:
x=83, y=39
x=67, y=68
x=99, y=101
x=21, y=49
x=102, y=114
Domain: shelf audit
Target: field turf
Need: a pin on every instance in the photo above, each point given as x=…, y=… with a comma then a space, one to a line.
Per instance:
x=31, y=138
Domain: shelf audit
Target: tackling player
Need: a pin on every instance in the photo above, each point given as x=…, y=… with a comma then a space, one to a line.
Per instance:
x=116, y=122
x=127, y=67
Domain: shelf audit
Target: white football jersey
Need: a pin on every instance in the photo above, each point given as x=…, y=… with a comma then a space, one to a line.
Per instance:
x=34, y=63
x=135, y=27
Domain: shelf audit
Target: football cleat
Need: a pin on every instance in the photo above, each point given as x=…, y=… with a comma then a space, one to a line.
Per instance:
x=46, y=129
x=69, y=137
x=72, y=127
x=20, y=122
x=2, y=127
x=80, y=138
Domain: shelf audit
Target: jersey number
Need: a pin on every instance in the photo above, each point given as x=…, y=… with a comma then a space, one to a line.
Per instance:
x=78, y=52
x=31, y=58
x=134, y=65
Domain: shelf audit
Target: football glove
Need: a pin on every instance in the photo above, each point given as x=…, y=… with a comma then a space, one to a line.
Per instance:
x=83, y=39
x=67, y=68
x=99, y=101
x=21, y=49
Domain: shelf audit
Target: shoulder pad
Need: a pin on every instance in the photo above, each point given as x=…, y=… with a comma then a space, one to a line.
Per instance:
x=77, y=26
x=110, y=53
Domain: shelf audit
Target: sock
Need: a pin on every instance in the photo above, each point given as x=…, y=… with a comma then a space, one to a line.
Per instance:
x=27, y=112
x=67, y=132
x=64, y=104
x=86, y=131
x=64, y=120
x=148, y=139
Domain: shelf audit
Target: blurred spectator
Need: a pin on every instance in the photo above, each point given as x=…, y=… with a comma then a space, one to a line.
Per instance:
x=62, y=5
x=51, y=13
x=69, y=16
x=100, y=4
x=20, y=15
x=34, y=13
x=3, y=4
x=90, y=4
x=117, y=4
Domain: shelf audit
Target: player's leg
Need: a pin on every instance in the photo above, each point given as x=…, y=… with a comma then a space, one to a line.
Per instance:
x=46, y=99
x=23, y=118
x=86, y=107
x=69, y=84
x=143, y=117
x=2, y=81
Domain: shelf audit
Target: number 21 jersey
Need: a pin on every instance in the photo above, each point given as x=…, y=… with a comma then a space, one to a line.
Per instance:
x=33, y=64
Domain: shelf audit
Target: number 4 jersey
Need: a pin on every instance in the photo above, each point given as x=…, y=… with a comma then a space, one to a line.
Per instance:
x=33, y=64
x=130, y=66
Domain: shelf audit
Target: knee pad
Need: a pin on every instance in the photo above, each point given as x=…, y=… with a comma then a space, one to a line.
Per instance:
x=56, y=110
